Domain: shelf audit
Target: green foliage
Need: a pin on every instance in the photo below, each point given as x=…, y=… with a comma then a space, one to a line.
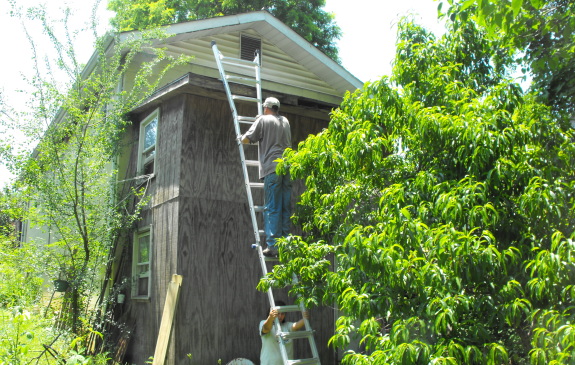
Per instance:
x=445, y=197
x=26, y=337
x=21, y=266
x=541, y=32
x=68, y=181
x=307, y=18
x=11, y=212
x=16, y=337
x=20, y=274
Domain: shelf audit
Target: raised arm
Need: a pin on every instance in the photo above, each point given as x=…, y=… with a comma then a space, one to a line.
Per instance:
x=268, y=324
x=301, y=323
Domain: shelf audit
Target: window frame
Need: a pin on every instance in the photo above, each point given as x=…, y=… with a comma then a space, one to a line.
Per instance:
x=136, y=264
x=144, y=160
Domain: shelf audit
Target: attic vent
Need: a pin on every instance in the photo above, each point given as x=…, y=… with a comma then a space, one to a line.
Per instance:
x=249, y=46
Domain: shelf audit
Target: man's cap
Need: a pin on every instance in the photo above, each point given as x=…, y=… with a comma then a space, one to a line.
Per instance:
x=270, y=102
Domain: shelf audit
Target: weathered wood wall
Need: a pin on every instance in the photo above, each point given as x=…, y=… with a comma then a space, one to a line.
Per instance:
x=219, y=307
x=202, y=230
x=162, y=213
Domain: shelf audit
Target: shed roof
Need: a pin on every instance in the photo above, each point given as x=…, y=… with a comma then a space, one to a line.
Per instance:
x=272, y=30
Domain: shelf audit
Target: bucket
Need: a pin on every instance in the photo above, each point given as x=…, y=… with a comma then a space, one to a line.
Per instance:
x=61, y=285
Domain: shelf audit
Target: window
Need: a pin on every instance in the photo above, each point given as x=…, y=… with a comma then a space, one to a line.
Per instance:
x=249, y=47
x=147, y=147
x=141, y=263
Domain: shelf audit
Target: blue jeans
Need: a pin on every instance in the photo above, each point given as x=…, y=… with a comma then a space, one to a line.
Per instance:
x=277, y=210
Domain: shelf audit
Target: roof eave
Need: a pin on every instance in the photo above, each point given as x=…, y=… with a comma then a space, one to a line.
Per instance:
x=264, y=22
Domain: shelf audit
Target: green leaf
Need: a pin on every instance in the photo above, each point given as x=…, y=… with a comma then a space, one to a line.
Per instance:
x=467, y=4
x=537, y=4
x=516, y=7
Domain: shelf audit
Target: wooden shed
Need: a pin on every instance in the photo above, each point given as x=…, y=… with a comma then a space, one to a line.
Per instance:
x=181, y=147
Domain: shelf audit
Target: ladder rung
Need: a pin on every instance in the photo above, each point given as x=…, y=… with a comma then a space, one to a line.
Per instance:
x=261, y=232
x=246, y=119
x=245, y=98
x=257, y=185
x=258, y=208
x=238, y=62
x=288, y=308
x=311, y=361
x=252, y=163
x=250, y=81
x=295, y=334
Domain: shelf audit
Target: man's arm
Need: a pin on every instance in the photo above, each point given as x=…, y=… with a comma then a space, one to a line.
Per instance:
x=254, y=132
x=268, y=324
x=300, y=324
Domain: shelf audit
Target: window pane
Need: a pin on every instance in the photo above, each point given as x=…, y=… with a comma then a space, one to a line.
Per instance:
x=149, y=168
x=150, y=133
x=144, y=248
x=142, y=286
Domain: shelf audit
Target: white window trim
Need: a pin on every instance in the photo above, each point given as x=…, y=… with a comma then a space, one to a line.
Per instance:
x=135, y=253
x=141, y=160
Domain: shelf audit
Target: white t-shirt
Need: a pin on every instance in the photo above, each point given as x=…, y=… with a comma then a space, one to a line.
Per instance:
x=270, y=354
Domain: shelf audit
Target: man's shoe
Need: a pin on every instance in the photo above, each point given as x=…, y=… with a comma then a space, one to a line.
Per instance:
x=270, y=252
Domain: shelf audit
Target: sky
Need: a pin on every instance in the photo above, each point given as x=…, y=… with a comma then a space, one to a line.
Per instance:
x=369, y=30
x=366, y=47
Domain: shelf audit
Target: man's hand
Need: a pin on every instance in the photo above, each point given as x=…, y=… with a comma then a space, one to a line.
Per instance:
x=301, y=323
x=274, y=313
x=270, y=320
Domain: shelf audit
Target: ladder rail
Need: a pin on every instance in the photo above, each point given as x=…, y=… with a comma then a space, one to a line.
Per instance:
x=255, y=65
x=307, y=326
x=259, y=84
x=235, y=115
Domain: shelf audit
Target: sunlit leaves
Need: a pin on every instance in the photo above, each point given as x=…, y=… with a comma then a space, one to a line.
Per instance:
x=541, y=33
x=79, y=118
x=448, y=200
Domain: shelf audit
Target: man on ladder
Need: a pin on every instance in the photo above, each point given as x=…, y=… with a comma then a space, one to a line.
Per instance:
x=273, y=133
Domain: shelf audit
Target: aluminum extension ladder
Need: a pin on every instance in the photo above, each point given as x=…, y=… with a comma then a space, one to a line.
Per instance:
x=242, y=67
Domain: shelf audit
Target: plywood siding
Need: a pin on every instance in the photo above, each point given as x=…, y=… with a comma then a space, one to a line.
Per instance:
x=161, y=214
x=217, y=300
x=202, y=230
x=219, y=306
x=169, y=145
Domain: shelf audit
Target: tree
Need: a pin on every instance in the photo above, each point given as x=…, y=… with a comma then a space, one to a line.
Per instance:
x=446, y=199
x=543, y=35
x=307, y=18
x=68, y=181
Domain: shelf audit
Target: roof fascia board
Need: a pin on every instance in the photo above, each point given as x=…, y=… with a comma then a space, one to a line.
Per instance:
x=313, y=51
x=180, y=30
